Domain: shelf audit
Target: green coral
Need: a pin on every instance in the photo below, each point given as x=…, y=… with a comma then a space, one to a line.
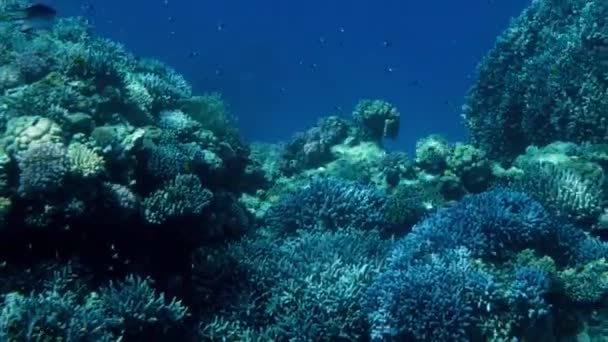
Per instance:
x=84, y=162
x=529, y=258
x=587, y=285
x=411, y=202
x=212, y=113
x=472, y=166
x=432, y=153
x=377, y=119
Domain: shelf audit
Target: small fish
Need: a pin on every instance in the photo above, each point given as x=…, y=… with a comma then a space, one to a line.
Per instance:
x=387, y=43
x=87, y=7
x=37, y=16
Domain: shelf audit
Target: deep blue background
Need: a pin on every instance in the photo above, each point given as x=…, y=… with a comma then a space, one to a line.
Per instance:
x=261, y=58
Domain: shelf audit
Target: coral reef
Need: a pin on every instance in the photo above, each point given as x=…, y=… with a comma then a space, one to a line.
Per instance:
x=132, y=210
x=329, y=204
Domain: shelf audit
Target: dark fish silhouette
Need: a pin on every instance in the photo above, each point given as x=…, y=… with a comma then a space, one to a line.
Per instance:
x=37, y=16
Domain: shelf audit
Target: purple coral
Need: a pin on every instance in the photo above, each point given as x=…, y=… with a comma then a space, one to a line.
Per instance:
x=42, y=168
x=313, y=147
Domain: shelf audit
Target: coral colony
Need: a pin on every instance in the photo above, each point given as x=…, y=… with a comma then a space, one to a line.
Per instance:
x=131, y=210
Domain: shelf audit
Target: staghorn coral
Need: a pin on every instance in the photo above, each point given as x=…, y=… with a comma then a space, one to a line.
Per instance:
x=139, y=97
x=303, y=287
x=169, y=159
x=528, y=292
x=136, y=304
x=497, y=224
x=441, y=299
x=64, y=312
x=164, y=90
x=84, y=162
x=563, y=190
x=328, y=204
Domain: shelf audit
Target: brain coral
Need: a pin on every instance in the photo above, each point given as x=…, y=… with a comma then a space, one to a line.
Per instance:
x=544, y=80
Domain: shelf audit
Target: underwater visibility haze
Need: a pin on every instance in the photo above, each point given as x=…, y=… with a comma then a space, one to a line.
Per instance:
x=303, y=171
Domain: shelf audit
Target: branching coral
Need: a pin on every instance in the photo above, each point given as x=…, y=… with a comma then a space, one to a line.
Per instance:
x=328, y=204
x=84, y=162
x=498, y=223
x=528, y=293
x=438, y=300
x=62, y=313
x=563, y=190
x=308, y=286
x=180, y=198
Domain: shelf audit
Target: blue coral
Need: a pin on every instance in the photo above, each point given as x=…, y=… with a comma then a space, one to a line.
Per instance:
x=329, y=203
x=497, y=223
x=528, y=291
x=178, y=123
x=118, y=311
x=133, y=301
x=168, y=159
x=438, y=300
